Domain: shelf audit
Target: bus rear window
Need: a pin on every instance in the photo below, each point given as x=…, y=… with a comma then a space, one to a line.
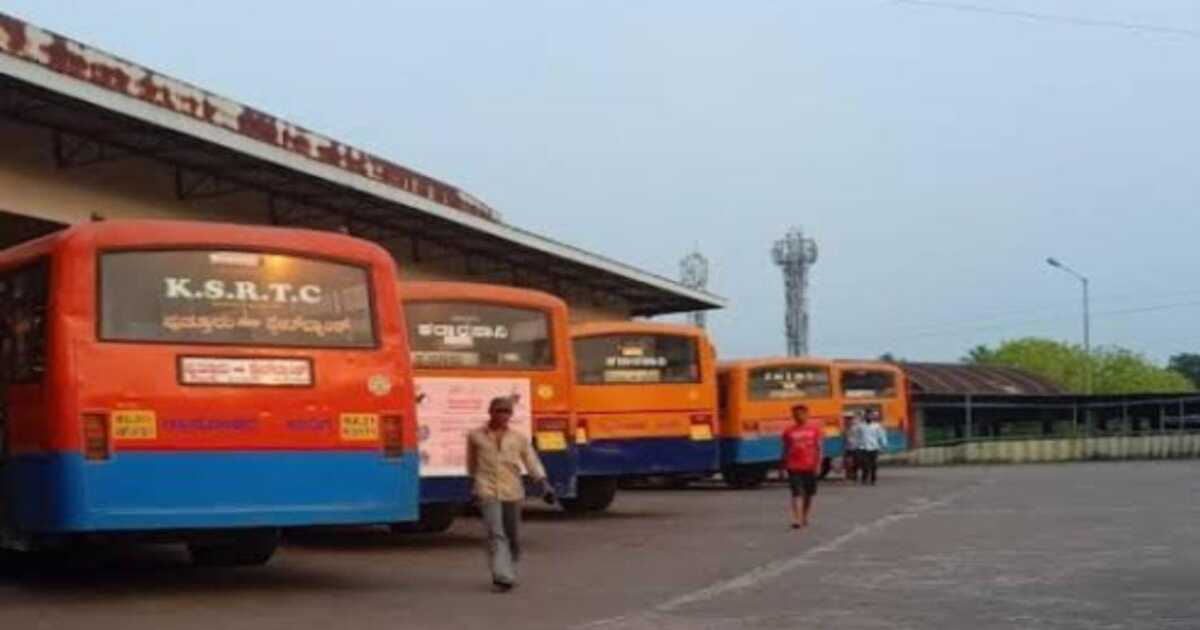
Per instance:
x=626, y=359
x=234, y=298
x=454, y=334
x=789, y=382
x=868, y=384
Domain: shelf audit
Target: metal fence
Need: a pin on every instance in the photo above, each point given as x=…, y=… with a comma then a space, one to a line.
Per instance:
x=945, y=420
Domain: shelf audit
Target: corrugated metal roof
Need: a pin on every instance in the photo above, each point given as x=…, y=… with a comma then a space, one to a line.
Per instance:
x=982, y=380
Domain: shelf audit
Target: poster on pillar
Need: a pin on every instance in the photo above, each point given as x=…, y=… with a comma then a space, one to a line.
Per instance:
x=449, y=408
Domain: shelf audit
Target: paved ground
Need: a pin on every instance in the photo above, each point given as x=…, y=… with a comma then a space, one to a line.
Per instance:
x=1096, y=546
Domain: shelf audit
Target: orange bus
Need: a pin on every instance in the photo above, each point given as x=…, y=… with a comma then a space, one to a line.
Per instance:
x=756, y=399
x=200, y=383
x=470, y=343
x=880, y=388
x=646, y=404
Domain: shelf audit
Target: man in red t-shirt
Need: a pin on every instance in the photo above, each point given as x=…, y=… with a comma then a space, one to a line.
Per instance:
x=802, y=462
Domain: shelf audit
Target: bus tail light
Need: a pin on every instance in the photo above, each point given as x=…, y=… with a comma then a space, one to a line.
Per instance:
x=95, y=437
x=750, y=425
x=551, y=433
x=581, y=431
x=702, y=426
x=398, y=436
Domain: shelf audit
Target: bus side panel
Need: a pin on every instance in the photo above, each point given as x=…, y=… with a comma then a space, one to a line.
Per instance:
x=62, y=493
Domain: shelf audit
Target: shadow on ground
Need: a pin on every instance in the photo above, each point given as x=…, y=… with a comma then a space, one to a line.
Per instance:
x=136, y=571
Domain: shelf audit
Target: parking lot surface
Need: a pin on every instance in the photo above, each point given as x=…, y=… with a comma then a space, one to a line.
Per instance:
x=1105, y=545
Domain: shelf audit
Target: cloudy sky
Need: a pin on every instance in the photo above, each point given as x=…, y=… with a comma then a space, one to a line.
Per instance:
x=937, y=151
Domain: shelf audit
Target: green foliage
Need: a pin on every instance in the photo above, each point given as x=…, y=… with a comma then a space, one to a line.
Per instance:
x=1187, y=364
x=1114, y=370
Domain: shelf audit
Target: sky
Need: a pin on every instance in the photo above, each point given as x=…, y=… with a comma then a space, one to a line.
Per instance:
x=937, y=152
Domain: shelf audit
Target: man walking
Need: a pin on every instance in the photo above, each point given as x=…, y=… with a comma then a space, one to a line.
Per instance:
x=802, y=462
x=495, y=454
x=852, y=459
x=872, y=441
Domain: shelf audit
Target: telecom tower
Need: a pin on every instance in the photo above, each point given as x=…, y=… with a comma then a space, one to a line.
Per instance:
x=693, y=273
x=795, y=254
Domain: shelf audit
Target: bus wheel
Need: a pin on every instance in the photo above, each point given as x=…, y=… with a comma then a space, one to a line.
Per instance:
x=593, y=494
x=826, y=466
x=435, y=518
x=744, y=477
x=252, y=549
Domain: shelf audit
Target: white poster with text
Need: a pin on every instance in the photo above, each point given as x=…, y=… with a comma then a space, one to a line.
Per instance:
x=449, y=408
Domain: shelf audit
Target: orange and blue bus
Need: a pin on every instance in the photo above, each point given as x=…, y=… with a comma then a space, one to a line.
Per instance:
x=473, y=342
x=756, y=399
x=870, y=387
x=646, y=405
x=201, y=383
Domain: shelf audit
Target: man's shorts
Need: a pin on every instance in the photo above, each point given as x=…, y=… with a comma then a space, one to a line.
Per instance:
x=802, y=483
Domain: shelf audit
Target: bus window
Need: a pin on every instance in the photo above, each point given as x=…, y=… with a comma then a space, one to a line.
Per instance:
x=473, y=335
x=23, y=299
x=868, y=384
x=788, y=382
x=234, y=298
x=625, y=359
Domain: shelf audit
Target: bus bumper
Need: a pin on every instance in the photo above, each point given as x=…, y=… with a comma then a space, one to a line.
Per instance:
x=63, y=493
x=751, y=450
x=647, y=456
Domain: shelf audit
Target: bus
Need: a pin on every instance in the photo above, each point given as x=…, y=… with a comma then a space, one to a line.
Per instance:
x=756, y=397
x=877, y=387
x=200, y=383
x=473, y=342
x=646, y=405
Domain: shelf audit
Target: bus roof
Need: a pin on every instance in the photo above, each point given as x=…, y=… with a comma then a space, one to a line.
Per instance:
x=133, y=233
x=877, y=366
x=771, y=361
x=593, y=329
x=478, y=291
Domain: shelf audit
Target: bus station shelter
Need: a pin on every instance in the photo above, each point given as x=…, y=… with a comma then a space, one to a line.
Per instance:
x=90, y=136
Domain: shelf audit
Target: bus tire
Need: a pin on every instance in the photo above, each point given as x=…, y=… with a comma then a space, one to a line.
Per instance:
x=744, y=477
x=592, y=494
x=242, y=550
x=435, y=518
x=826, y=466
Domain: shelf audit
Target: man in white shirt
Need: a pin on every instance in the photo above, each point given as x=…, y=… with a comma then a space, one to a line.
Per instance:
x=872, y=440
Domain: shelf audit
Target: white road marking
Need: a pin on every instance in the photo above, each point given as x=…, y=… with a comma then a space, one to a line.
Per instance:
x=655, y=618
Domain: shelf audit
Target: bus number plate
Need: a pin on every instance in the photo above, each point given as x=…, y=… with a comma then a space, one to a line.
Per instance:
x=359, y=427
x=134, y=425
x=701, y=432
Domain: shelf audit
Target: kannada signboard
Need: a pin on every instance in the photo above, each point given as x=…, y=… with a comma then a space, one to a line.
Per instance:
x=240, y=371
x=448, y=408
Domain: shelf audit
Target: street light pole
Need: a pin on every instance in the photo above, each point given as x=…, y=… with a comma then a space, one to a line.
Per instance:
x=1087, y=320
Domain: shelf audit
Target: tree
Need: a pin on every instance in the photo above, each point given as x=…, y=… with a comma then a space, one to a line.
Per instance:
x=979, y=354
x=1187, y=364
x=1114, y=370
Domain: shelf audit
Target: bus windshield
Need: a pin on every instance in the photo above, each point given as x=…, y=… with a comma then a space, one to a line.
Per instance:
x=452, y=334
x=234, y=298
x=646, y=359
x=868, y=384
x=788, y=382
